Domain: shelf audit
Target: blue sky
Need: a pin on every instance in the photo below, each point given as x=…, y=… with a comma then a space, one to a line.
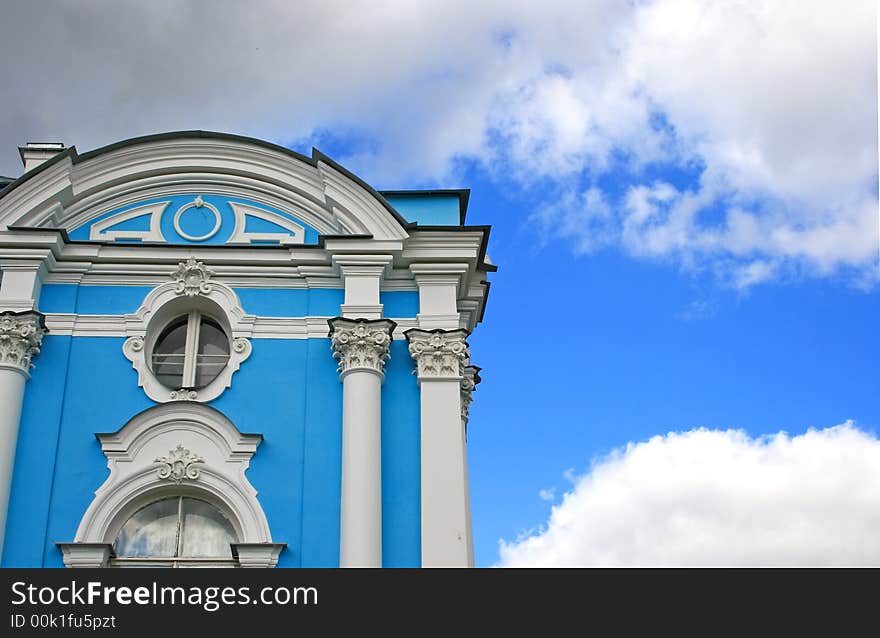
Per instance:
x=683, y=197
x=616, y=350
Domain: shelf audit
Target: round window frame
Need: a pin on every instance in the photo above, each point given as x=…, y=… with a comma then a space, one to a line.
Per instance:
x=154, y=333
x=171, y=300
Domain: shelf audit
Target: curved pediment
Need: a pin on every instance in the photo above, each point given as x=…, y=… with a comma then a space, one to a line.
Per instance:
x=196, y=187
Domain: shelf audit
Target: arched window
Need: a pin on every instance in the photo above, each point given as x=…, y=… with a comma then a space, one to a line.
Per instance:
x=176, y=496
x=179, y=531
x=190, y=352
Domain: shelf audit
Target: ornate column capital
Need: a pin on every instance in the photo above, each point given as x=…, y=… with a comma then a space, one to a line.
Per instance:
x=361, y=344
x=469, y=380
x=439, y=354
x=21, y=335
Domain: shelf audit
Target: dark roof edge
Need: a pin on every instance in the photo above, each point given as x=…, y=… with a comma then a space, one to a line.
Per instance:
x=463, y=194
x=318, y=156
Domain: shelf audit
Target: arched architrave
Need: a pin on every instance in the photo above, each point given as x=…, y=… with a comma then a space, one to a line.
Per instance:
x=175, y=449
x=71, y=189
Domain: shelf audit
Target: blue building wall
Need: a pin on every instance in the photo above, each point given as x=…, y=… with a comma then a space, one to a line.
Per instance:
x=428, y=210
x=196, y=221
x=288, y=391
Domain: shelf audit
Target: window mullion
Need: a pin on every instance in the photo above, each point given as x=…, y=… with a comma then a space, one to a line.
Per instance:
x=178, y=547
x=191, y=349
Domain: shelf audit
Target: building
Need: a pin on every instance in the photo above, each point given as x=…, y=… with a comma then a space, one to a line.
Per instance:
x=214, y=350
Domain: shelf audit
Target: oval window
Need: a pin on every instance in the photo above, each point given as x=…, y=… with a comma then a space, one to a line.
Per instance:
x=191, y=351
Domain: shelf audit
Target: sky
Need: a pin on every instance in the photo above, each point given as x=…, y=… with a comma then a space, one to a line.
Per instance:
x=679, y=352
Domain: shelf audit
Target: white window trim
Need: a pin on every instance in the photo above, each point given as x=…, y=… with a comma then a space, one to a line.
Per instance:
x=213, y=457
x=191, y=290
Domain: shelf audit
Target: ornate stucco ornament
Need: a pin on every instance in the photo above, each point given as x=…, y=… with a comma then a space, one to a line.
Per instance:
x=179, y=464
x=192, y=278
x=21, y=335
x=439, y=353
x=469, y=380
x=361, y=344
x=184, y=394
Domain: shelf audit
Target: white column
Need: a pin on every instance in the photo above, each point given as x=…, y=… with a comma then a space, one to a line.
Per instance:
x=362, y=275
x=21, y=284
x=441, y=356
x=21, y=334
x=469, y=381
x=438, y=294
x=361, y=346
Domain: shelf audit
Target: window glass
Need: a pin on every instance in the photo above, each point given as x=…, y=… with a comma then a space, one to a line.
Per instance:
x=213, y=352
x=206, y=532
x=177, y=527
x=151, y=532
x=169, y=354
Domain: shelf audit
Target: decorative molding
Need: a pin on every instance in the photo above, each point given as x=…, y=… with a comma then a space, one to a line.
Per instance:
x=361, y=344
x=253, y=327
x=179, y=464
x=439, y=354
x=469, y=380
x=21, y=336
x=191, y=288
x=295, y=233
x=198, y=202
x=136, y=460
x=184, y=394
x=191, y=278
x=100, y=230
x=87, y=555
x=257, y=554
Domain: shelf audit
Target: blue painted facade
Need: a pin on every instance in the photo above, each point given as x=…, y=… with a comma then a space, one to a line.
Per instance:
x=288, y=391
x=434, y=209
x=107, y=268
x=196, y=221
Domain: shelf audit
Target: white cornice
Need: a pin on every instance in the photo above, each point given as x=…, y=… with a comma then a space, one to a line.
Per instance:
x=252, y=326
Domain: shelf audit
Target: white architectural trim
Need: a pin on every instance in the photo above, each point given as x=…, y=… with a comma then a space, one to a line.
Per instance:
x=99, y=230
x=361, y=344
x=21, y=336
x=325, y=198
x=439, y=286
x=86, y=555
x=191, y=289
x=138, y=457
x=296, y=234
x=198, y=202
x=253, y=327
x=469, y=381
x=22, y=281
x=362, y=276
x=257, y=554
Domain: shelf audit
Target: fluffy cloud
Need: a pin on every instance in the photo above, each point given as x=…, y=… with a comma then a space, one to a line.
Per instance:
x=709, y=497
x=769, y=108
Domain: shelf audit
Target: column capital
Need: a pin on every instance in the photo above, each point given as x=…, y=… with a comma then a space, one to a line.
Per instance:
x=439, y=354
x=21, y=335
x=469, y=380
x=361, y=344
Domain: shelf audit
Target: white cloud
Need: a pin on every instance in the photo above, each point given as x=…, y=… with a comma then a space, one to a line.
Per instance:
x=709, y=497
x=775, y=101
x=548, y=494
